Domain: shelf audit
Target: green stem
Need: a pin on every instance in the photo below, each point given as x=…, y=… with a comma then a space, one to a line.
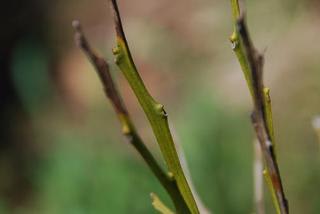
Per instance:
x=238, y=47
x=154, y=111
x=165, y=180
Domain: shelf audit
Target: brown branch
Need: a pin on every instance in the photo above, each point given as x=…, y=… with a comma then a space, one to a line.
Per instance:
x=102, y=69
x=259, y=121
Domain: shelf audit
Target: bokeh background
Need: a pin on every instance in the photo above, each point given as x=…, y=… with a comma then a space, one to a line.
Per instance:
x=61, y=150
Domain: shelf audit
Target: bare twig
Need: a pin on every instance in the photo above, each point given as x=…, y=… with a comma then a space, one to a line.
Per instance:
x=259, y=120
x=128, y=129
x=251, y=63
x=102, y=69
x=258, y=116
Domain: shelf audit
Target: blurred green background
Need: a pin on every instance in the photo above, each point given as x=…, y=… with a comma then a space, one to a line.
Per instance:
x=61, y=147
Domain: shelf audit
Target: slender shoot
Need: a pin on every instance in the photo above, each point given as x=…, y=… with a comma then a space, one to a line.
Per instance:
x=154, y=111
x=252, y=65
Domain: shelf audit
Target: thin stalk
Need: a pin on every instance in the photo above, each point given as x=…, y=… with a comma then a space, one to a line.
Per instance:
x=252, y=63
x=128, y=129
x=154, y=111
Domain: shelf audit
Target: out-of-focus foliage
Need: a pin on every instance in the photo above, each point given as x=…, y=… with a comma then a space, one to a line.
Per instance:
x=184, y=56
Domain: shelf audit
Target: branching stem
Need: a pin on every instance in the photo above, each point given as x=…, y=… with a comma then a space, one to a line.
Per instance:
x=128, y=129
x=252, y=65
